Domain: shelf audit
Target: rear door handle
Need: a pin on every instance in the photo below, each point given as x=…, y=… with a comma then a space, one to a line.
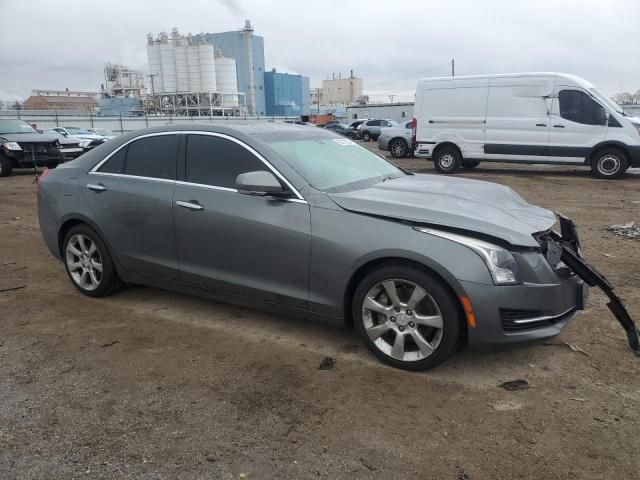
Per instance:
x=558, y=126
x=541, y=124
x=96, y=187
x=190, y=205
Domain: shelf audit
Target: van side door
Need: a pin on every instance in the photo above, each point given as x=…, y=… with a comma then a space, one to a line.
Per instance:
x=576, y=125
x=517, y=127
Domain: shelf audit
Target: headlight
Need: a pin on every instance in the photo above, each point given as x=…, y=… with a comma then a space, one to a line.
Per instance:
x=84, y=143
x=11, y=146
x=499, y=261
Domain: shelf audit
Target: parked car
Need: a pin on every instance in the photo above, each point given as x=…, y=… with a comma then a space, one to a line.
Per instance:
x=523, y=118
x=370, y=129
x=342, y=129
x=397, y=140
x=103, y=132
x=21, y=146
x=354, y=126
x=316, y=227
x=93, y=139
x=70, y=147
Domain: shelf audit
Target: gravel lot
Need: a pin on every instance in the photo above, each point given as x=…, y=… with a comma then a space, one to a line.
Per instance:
x=152, y=384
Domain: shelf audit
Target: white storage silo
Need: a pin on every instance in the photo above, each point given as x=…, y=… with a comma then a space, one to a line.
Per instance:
x=193, y=59
x=227, y=80
x=182, y=68
x=207, y=68
x=167, y=55
x=155, y=66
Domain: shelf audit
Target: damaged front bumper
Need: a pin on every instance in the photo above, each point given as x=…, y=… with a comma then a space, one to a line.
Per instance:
x=565, y=249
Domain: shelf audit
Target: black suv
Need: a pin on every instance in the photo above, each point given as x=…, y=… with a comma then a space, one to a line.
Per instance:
x=21, y=146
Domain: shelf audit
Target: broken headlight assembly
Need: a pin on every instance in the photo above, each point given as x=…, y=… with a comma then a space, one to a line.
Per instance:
x=500, y=262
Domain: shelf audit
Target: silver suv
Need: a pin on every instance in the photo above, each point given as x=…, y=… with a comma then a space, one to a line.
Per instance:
x=370, y=130
x=397, y=140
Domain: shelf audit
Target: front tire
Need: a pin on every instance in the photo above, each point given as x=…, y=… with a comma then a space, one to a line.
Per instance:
x=366, y=136
x=406, y=317
x=398, y=148
x=609, y=163
x=88, y=263
x=448, y=160
x=6, y=167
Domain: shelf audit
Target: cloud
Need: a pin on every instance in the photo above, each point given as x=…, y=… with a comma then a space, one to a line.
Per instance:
x=234, y=7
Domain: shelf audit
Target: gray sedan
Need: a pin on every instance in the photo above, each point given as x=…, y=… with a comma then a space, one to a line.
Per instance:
x=306, y=222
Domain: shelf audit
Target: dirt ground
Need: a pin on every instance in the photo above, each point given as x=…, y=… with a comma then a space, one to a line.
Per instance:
x=152, y=384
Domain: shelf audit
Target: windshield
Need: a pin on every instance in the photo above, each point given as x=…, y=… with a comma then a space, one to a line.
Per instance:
x=74, y=130
x=15, y=126
x=610, y=104
x=330, y=163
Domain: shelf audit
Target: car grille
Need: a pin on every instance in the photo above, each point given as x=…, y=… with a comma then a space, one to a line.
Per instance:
x=39, y=147
x=515, y=320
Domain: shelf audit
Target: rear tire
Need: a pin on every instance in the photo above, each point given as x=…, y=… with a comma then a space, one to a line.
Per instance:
x=609, y=163
x=366, y=136
x=398, y=148
x=470, y=163
x=448, y=160
x=434, y=319
x=88, y=263
x=6, y=167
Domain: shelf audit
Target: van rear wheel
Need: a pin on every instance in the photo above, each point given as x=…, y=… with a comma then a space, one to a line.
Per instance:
x=448, y=160
x=609, y=163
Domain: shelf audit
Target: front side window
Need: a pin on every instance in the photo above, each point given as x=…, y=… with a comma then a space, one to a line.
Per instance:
x=217, y=161
x=153, y=157
x=116, y=163
x=579, y=107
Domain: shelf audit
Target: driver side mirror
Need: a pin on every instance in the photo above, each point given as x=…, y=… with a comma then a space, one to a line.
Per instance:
x=260, y=183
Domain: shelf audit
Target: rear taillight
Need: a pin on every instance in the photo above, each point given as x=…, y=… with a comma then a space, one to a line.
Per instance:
x=414, y=128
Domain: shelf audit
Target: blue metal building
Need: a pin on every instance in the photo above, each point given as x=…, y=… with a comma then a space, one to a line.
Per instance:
x=234, y=45
x=285, y=94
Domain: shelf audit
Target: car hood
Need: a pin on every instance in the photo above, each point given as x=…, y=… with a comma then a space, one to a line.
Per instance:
x=28, y=137
x=471, y=205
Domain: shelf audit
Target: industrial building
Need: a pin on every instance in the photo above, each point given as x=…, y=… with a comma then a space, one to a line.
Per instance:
x=248, y=51
x=286, y=94
x=341, y=91
x=74, y=100
x=189, y=78
x=121, y=81
x=400, y=112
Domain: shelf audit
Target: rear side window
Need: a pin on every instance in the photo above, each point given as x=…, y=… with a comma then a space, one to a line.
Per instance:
x=217, y=161
x=579, y=107
x=153, y=157
x=116, y=163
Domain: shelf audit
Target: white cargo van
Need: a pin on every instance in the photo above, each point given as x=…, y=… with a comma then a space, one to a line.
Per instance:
x=523, y=118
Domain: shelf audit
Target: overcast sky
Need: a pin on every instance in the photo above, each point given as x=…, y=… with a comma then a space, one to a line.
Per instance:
x=65, y=43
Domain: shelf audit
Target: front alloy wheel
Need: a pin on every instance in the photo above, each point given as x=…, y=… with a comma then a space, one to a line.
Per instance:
x=84, y=262
x=406, y=317
x=398, y=148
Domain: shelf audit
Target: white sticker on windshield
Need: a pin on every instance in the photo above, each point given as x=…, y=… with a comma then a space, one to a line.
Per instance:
x=343, y=141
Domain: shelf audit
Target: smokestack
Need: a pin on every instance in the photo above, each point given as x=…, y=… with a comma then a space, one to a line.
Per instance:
x=247, y=32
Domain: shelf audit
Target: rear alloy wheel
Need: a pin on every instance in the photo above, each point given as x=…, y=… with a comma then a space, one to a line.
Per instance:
x=609, y=163
x=6, y=168
x=88, y=263
x=366, y=136
x=398, y=148
x=448, y=160
x=406, y=317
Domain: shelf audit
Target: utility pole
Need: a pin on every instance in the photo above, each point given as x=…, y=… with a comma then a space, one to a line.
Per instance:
x=453, y=67
x=391, y=97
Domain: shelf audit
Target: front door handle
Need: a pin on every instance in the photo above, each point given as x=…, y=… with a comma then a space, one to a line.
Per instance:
x=96, y=187
x=541, y=124
x=192, y=205
x=558, y=126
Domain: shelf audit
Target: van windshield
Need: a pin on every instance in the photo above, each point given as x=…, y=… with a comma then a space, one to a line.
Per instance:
x=610, y=104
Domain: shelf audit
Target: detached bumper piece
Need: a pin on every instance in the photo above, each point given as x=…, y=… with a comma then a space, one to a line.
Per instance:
x=567, y=250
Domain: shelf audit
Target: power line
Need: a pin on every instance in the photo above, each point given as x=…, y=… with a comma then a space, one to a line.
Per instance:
x=411, y=75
